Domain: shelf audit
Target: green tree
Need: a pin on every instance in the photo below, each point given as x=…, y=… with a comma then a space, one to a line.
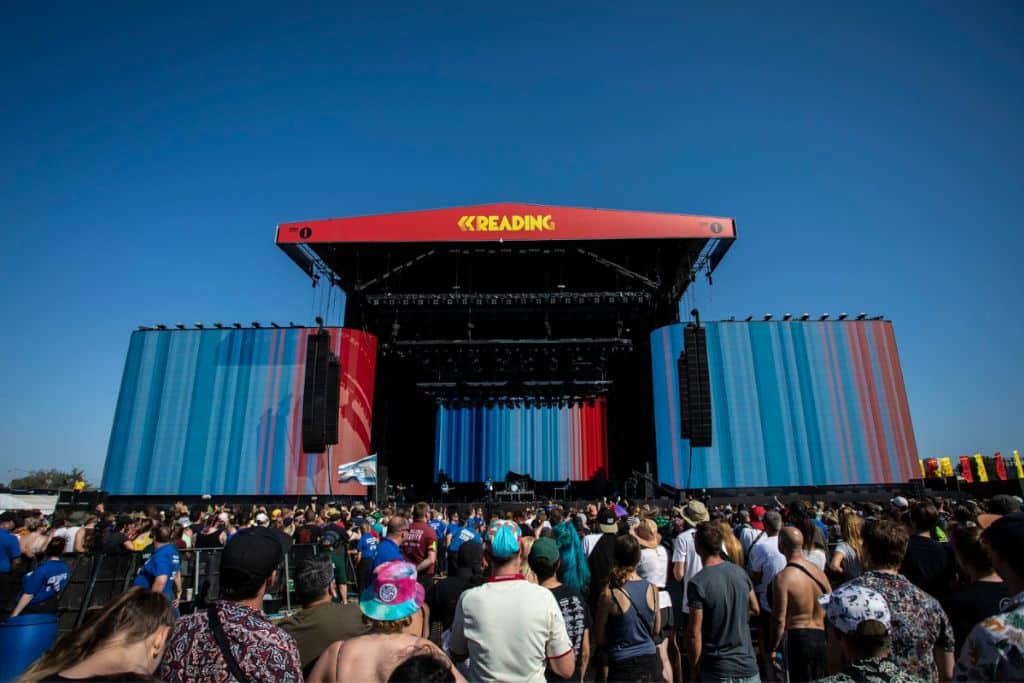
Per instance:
x=49, y=479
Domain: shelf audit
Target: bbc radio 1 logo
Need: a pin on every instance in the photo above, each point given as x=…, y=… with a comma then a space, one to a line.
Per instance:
x=305, y=232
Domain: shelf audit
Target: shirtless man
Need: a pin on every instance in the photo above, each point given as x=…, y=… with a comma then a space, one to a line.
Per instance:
x=796, y=612
x=373, y=658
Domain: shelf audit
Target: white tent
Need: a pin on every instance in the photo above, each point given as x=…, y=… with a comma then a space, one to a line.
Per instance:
x=10, y=501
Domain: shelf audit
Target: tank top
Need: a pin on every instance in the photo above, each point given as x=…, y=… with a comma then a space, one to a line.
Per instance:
x=627, y=634
x=209, y=540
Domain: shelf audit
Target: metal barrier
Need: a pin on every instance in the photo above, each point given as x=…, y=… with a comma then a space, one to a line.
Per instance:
x=96, y=579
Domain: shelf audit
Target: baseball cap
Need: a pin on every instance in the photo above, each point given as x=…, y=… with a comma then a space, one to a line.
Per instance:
x=606, y=520
x=848, y=606
x=393, y=592
x=900, y=502
x=546, y=549
x=262, y=518
x=254, y=552
x=757, y=512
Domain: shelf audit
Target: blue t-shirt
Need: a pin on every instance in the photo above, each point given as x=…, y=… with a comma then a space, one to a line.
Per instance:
x=9, y=549
x=461, y=536
x=439, y=527
x=387, y=551
x=47, y=581
x=164, y=562
x=367, y=546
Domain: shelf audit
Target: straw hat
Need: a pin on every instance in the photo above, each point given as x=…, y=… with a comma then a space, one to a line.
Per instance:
x=647, y=533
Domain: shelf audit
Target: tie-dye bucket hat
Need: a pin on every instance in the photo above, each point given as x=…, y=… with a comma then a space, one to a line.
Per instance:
x=393, y=592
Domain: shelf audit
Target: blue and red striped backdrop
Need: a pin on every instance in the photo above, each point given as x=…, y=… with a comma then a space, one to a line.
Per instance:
x=220, y=412
x=793, y=403
x=548, y=443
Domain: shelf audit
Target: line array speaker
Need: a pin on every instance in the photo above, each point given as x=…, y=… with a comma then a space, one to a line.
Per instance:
x=695, y=388
x=314, y=393
x=333, y=398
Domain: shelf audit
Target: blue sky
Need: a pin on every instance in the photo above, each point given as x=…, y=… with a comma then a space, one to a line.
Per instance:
x=872, y=156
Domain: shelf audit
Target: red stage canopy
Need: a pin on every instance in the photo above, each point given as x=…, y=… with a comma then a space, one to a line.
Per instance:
x=506, y=222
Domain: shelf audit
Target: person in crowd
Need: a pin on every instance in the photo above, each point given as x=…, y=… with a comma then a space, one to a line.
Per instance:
x=686, y=562
x=336, y=550
x=921, y=641
x=420, y=545
x=846, y=558
x=10, y=552
x=573, y=569
x=392, y=605
x=653, y=568
x=115, y=541
x=160, y=573
x=732, y=546
x=721, y=598
x=437, y=523
x=35, y=539
x=143, y=535
x=983, y=589
x=746, y=532
x=443, y=597
x=425, y=666
x=601, y=558
x=41, y=587
x=457, y=535
x=124, y=642
x=544, y=559
x=859, y=624
x=798, y=620
x=508, y=628
x=627, y=619
x=928, y=564
x=87, y=539
x=233, y=636
x=765, y=561
x=321, y=621
x=994, y=649
x=525, y=545
x=390, y=549
x=214, y=533
x=366, y=551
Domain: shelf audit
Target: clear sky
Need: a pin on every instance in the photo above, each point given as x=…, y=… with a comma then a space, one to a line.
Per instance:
x=872, y=155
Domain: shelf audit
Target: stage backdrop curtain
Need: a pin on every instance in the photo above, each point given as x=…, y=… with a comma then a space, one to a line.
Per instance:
x=220, y=412
x=548, y=443
x=793, y=403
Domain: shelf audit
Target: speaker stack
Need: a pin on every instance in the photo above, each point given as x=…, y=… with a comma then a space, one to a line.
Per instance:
x=695, y=388
x=321, y=394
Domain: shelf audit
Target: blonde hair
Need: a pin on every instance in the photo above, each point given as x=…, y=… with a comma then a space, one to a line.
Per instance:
x=525, y=544
x=733, y=547
x=133, y=616
x=850, y=526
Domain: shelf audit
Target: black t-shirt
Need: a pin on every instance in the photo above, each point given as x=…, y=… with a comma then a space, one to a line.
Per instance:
x=443, y=597
x=577, y=621
x=210, y=540
x=601, y=561
x=308, y=533
x=113, y=543
x=971, y=604
x=930, y=566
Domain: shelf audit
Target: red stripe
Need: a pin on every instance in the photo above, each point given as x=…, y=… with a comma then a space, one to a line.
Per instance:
x=909, y=454
x=830, y=367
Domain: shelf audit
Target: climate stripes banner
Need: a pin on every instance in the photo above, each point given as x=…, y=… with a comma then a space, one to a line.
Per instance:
x=548, y=443
x=220, y=412
x=793, y=403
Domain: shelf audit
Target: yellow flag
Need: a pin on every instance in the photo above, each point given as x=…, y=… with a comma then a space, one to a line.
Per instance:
x=946, y=467
x=1017, y=463
x=921, y=463
x=980, y=461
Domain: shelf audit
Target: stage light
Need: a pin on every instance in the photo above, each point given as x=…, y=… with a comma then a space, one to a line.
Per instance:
x=219, y=326
x=749, y=318
x=824, y=316
x=767, y=317
x=237, y=326
x=879, y=317
x=256, y=324
x=161, y=326
x=291, y=324
x=274, y=325
x=732, y=318
x=787, y=316
x=861, y=316
x=142, y=328
x=805, y=316
x=199, y=326
x=843, y=316
x=180, y=326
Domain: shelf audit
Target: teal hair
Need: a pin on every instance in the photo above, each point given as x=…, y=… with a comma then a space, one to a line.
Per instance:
x=574, y=571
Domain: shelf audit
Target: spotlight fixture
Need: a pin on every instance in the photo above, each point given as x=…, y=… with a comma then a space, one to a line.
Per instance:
x=180, y=326
x=291, y=324
x=256, y=324
x=843, y=316
x=161, y=326
x=274, y=325
x=824, y=316
x=787, y=316
x=199, y=326
x=805, y=316
x=749, y=318
x=732, y=318
x=767, y=317
x=879, y=317
x=219, y=326
x=143, y=328
x=237, y=326
x=861, y=315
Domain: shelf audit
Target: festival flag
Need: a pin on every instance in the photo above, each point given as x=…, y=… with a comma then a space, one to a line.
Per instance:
x=363, y=471
x=1017, y=464
x=921, y=463
x=965, y=469
x=1000, y=466
x=980, y=462
x=946, y=467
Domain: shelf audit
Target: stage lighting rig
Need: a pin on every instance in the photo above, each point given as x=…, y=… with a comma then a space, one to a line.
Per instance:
x=161, y=326
x=861, y=316
x=824, y=316
x=805, y=316
x=767, y=317
x=787, y=316
x=199, y=326
x=219, y=326
x=180, y=326
x=843, y=316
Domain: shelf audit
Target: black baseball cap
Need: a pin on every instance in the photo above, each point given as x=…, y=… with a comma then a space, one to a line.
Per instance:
x=255, y=552
x=606, y=520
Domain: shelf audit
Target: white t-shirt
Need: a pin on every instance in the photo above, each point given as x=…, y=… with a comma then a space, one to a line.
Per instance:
x=747, y=536
x=69, y=534
x=654, y=568
x=589, y=541
x=509, y=627
x=766, y=558
x=684, y=550
x=815, y=557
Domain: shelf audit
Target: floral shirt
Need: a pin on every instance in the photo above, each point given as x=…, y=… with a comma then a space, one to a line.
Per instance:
x=871, y=671
x=918, y=623
x=263, y=651
x=994, y=650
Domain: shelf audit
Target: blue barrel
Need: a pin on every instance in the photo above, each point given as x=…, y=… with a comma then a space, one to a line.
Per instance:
x=22, y=640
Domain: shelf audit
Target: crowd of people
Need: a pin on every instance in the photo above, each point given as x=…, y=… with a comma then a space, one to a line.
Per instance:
x=914, y=590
